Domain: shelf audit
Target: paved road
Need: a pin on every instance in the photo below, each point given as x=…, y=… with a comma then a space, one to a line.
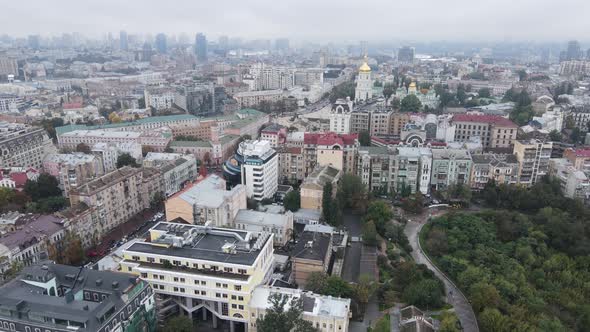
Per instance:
x=457, y=299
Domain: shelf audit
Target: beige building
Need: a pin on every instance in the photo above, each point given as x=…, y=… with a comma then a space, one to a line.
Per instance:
x=533, y=160
x=339, y=151
x=117, y=195
x=503, y=169
x=207, y=201
x=397, y=122
x=313, y=186
x=291, y=165
x=311, y=254
x=280, y=225
x=495, y=131
x=580, y=158
x=253, y=98
x=380, y=122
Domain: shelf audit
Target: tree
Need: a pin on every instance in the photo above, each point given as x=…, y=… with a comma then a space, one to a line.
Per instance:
x=330, y=212
x=125, y=159
x=114, y=118
x=157, y=200
x=46, y=186
x=352, y=193
x=178, y=324
x=380, y=213
x=426, y=293
x=365, y=138
x=492, y=320
x=141, y=102
x=280, y=319
x=74, y=252
x=316, y=282
x=448, y=322
x=576, y=135
x=522, y=75
x=388, y=91
x=570, y=123
x=363, y=290
x=484, y=93
x=410, y=104
x=370, y=233
x=6, y=196
x=292, y=201
x=414, y=203
x=82, y=147
x=555, y=136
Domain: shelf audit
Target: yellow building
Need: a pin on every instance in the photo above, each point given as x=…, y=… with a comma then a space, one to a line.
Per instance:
x=203, y=269
x=313, y=186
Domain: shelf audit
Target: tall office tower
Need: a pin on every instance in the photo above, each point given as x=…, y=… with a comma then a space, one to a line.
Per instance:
x=123, y=41
x=282, y=44
x=364, y=47
x=161, y=46
x=573, y=50
x=201, y=47
x=146, y=52
x=33, y=41
x=406, y=54
x=223, y=43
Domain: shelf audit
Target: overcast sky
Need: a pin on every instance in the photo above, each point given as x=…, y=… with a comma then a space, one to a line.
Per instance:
x=316, y=20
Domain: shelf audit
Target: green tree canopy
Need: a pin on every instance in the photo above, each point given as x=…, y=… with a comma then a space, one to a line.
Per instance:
x=178, y=324
x=292, y=201
x=365, y=138
x=410, y=104
x=46, y=186
x=284, y=315
x=125, y=159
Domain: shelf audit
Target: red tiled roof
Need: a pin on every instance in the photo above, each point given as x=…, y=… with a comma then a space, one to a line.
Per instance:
x=19, y=178
x=294, y=150
x=329, y=138
x=582, y=152
x=495, y=119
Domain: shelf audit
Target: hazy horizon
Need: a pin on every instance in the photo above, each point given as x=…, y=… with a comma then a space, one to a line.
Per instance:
x=308, y=20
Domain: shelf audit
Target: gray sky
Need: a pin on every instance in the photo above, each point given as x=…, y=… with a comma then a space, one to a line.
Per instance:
x=316, y=20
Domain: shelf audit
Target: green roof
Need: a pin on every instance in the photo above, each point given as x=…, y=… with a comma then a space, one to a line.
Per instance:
x=227, y=138
x=374, y=149
x=151, y=119
x=190, y=144
x=250, y=112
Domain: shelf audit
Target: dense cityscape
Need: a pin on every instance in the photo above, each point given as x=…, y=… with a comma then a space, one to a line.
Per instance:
x=198, y=181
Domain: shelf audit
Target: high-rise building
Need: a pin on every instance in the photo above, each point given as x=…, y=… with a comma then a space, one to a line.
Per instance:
x=23, y=146
x=260, y=170
x=364, y=83
x=201, y=47
x=282, y=44
x=574, y=51
x=33, y=42
x=533, y=160
x=223, y=43
x=123, y=41
x=161, y=45
x=405, y=54
x=364, y=47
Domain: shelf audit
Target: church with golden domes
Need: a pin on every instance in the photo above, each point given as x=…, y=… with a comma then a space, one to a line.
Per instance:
x=364, y=83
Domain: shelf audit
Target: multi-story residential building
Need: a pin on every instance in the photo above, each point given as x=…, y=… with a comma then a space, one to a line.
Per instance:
x=175, y=174
x=380, y=122
x=203, y=268
x=207, y=201
x=117, y=195
x=280, y=225
x=412, y=168
x=10, y=103
x=533, y=160
x=325, y=313
x=157, y=139
x=275, y=134
x=375, y=167
x=495, y=131
x=23, y=146
x=496, y=87
x=574, y=183
x=340, y=116
x=55, y=297
x=73, y=170
x=450, y=167
x=312, y=187
x=574, y=67
x=312, y=253
x=253, y=98
x=159, y=98
x=196, y=98
x=309, y=76
x=291, y=164
x=83, y=221
x=580, y=158
x=330, y=149
x=260, y=169
x=398, y=123
x=159, y=159
x=359, y=121
x=8, y=66
x=29, y=243
x=502, y=169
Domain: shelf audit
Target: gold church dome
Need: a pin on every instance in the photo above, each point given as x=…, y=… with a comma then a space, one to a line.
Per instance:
x=365, y=67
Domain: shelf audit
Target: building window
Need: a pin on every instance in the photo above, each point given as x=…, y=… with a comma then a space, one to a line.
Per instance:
x=240, y=298
x=216, y=294
x=234, y=306
x=95, y=297
x=233, y=297
x=224, y=285
x=238, y=287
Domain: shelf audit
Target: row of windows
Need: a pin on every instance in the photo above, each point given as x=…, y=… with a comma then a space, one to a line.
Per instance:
x=195, y=265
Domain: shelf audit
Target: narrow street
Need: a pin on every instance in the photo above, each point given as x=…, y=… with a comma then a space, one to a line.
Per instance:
x=455, y=297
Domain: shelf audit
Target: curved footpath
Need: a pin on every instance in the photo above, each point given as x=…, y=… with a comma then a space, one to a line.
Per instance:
x=459, y=302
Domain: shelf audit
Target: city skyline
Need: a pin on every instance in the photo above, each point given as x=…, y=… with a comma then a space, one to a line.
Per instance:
x=374, y=20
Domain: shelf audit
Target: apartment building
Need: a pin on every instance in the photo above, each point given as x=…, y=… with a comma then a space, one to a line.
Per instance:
x=260, y=169
x=398, y=122
x=253, y=98
x=359, y=121
x=412, y=169
x=28, y=243
x=533, y=160
x=118, y=196
x=380, y=122
x=495, y=131
x=207, y=201
x=156, y=139
x=175, y=174
x=375, y=167
x=207, y=270
x=312, y=187
x=500, y=168
x=23, y=146
x=574, y=183
x=325, y=313
x=109, y=152
x=332, y=149
x=73, y=170
x=159, y=98
x=450, y=167
x=291, y=164
x=275, y=134
x=340, y=116
x=312, y=253
x=579, y=158
x=55, y=297
x=280, y=225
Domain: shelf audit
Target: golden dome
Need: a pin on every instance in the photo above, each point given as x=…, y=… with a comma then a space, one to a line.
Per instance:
x=365, y=67
x=413, y=84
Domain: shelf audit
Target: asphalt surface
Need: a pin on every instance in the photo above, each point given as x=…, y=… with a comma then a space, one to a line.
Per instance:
x=352, y=261
x=455, y=297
